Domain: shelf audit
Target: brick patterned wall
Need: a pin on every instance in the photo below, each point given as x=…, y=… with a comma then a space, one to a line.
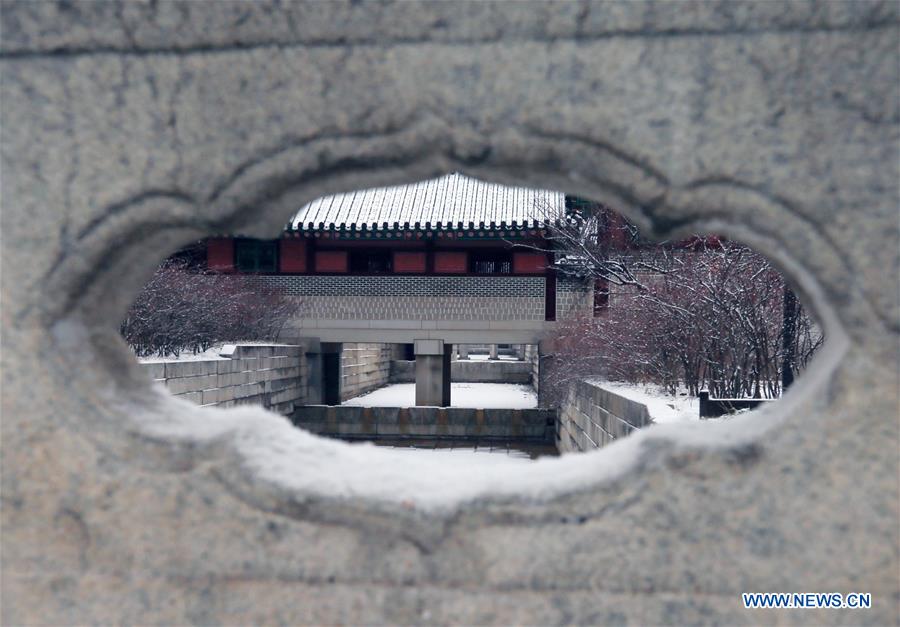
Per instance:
x=422, y=308
x=573, y=295
x=430, y=297
x=272, y=376
x=387, y=285
x=415, y=298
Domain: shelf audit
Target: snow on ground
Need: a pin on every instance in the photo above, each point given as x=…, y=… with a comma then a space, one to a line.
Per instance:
x=663, y=407
x=477, y=395
x=210, y=354
x=491, y=456
x=271, y=450
x=487, y=357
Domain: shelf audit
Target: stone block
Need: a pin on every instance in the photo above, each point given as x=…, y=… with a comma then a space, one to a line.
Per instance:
x=233, y=378
x=178, y=369
x=156, y=370
x=429, y=347
x=226, y=366
x=772, y=123
x=194, y=397
x=225, y=393
x=287, y=394
x=248, y=390
x=191, y=384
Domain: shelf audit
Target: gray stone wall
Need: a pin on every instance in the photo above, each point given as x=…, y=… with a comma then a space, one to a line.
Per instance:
x=273, y=377
x=592, y=416
x=469, y=371
x=430, y=422
x=131, y=129
x=365, y=367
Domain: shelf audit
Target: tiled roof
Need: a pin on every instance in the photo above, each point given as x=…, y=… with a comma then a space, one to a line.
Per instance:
x=451, y=201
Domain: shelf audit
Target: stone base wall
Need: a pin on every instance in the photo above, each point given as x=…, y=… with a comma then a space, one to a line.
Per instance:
x=532, y=358
x=404, y=371
x=592, y=416
x=366, y=367
x=431, y=422
x=273, y=376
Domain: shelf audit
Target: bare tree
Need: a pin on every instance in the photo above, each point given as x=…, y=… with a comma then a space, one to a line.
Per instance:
x=708, y=313
x=185, y=308
x=593, y=241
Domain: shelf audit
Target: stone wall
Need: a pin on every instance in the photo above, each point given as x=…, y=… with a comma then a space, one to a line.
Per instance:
x=469, y=371
x=131, y=129
x=592, y=416
x=533, y=357
x=272, y=376
x=365, y=367
x=430, y=422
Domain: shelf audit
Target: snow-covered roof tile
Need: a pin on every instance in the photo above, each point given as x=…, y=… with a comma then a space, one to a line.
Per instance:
x=450, y=199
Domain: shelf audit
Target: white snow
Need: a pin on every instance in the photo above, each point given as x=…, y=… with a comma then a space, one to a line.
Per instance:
x=211, y=354
x=663, y=407
x=440, y=200
x=467, y=455
x=487, y=357
x=272, y=450
x=476, y=395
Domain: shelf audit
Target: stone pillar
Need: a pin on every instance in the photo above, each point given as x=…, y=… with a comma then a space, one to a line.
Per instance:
x=313, y=371
x=433, y=373
x=546, y=350
x=331, y=373
x=447, y=376
x=463, y=351
x=520, y=352
x=493, y=351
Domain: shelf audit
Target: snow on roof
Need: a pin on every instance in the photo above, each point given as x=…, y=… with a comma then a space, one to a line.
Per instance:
x=453, y=200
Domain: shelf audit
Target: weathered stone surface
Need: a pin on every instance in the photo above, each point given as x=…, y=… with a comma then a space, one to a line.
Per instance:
x=131, y=129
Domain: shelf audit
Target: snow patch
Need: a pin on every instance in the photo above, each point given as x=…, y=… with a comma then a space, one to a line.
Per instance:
x=213, y=353
x=472, y=395
x=273, y=450
x=662, y=406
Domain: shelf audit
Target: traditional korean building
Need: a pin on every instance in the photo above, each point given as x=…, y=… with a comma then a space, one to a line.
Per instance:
x=447, y=261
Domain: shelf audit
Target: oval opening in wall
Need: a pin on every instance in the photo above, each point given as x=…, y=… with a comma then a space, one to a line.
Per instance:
x=472, y=322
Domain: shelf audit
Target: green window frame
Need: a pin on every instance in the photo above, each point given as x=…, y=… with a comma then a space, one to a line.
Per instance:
x=255, y=256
